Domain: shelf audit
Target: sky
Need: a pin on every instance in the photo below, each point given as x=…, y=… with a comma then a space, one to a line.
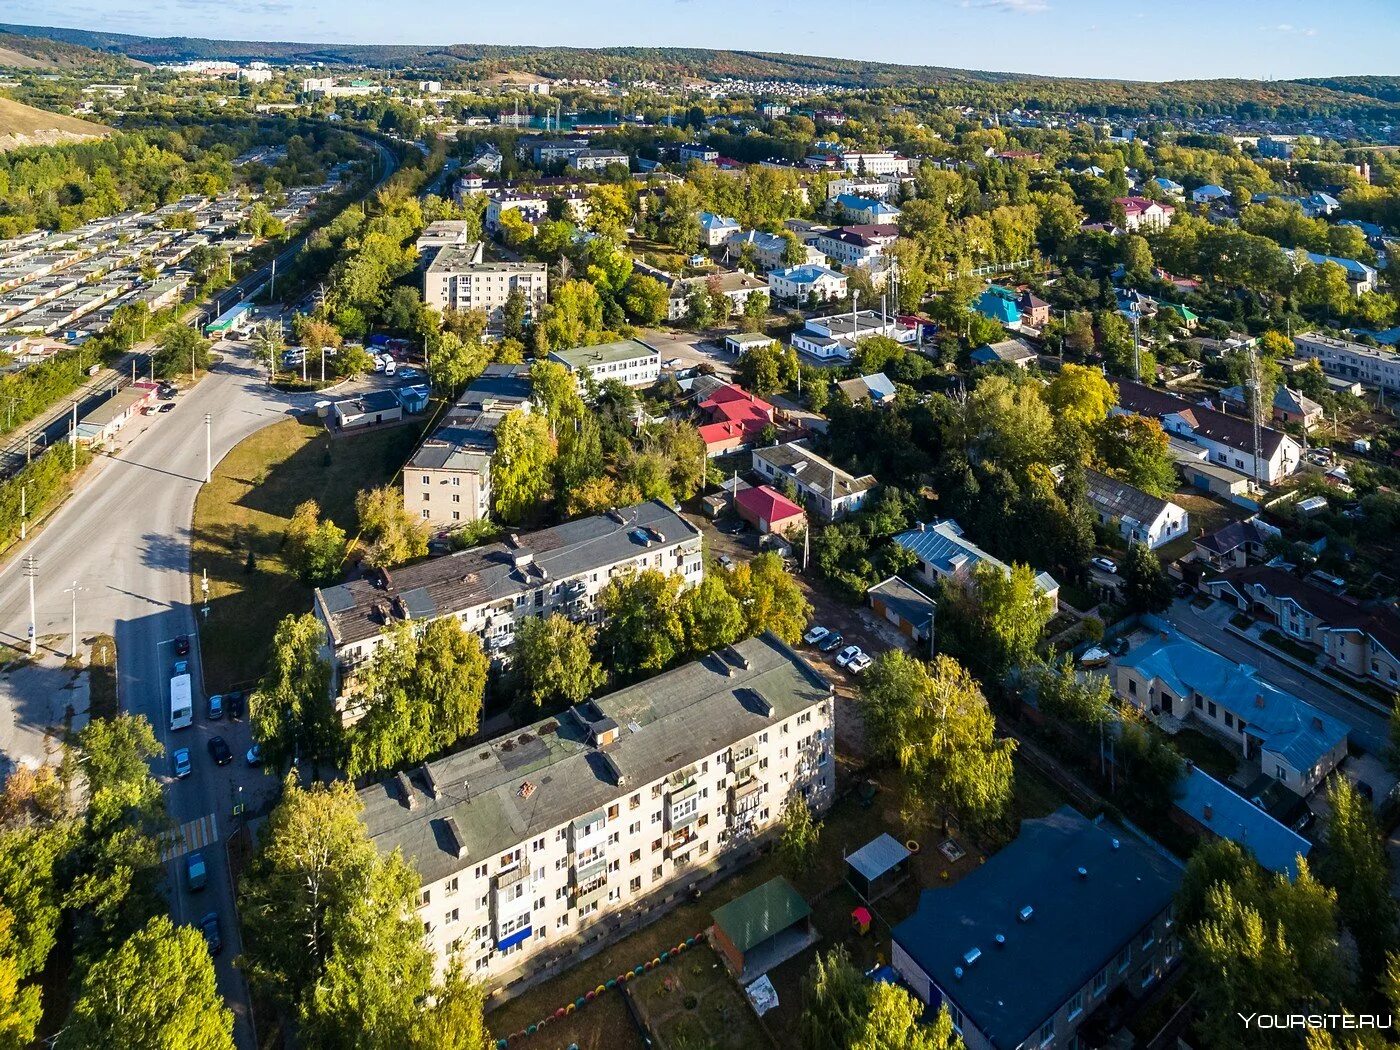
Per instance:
x=1175, y=39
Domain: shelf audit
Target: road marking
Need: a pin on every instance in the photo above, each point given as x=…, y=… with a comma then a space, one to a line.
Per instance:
x=189, y=836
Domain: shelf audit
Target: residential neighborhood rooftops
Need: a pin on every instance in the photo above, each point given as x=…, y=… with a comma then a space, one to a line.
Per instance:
x=1118, y=499
x=812, y=471
x=435, y=587
x=1234, y=431
x=512, y=788
x=768, y=504
x=1065, y=896
x=943, y=545
x=579, y=357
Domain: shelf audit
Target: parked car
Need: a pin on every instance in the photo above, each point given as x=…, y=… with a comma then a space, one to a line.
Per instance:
x=216, y=707
x=182, y=645
x=169, y=406
x=725, y=561
x=832, y=642
x=181, y=761
x=815, y=635
x=234, y=702
x=860, y=663
x=213, y=936
x=180, y=667
x=219, y=752
x=196, y=874
x=846, y=655
x=1106, y=564
x=254, y=756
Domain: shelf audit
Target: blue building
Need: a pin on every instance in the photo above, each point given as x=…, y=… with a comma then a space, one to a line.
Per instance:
x=1024, y=949
x=998, y=304
x=1209, y=807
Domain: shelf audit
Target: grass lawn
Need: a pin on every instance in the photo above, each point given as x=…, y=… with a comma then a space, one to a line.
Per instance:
x=245, y=508
x=102, y=677
x=1211, y=755
x=693, y=1000
x=604, y=1024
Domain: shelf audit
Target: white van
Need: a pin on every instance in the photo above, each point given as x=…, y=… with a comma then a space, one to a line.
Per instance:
x=389, y=366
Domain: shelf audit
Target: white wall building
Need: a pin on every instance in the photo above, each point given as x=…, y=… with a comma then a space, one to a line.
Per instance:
x=824, y=488
x=1372, y=365
x=629, y=361
x=457, y=279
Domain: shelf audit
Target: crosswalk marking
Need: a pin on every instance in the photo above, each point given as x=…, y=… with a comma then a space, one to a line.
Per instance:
x=191, y=835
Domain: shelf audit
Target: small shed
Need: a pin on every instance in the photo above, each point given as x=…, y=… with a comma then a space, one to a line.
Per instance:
x=905, y=606
x=762, y=929
x=877, y=867
x=378, y=406
x=413, y=398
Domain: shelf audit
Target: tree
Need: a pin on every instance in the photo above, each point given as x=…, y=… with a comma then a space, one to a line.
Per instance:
x=553, y=659
x=1007, y=423
x=769, y=597
x=315, y=548
x=646, y=299
x=1355, y=864
x=1135, y=449
x=290, y=710
x=760, y=370
x=1137, y=257
x=20, y=1007
x=835, y=1002
x=1082, y=703
x=520, y=466
x=754, y=311
x=997, y=616
x=798, y=840
x=1080, y=396
x=1392, y=755
x=393, y=536
x=892, y=1022
x=420, y=693
x=1145, y=586
x=933, y=722
x=154, y=992
x=574, y=317
x=642, y=629
x=179, y=347
x=711, y=616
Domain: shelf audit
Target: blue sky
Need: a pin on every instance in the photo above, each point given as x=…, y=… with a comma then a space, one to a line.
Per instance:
x=1106, y=38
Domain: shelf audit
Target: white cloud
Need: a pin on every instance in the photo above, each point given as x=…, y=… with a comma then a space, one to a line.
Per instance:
x=1020, y=7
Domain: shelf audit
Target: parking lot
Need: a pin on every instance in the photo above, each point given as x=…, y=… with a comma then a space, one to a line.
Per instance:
x=690, y=349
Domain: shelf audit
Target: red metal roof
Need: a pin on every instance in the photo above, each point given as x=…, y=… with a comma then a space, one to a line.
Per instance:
x=768, y=503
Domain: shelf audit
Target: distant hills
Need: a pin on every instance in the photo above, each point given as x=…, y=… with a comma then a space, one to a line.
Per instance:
x=23, y=51
x=1354, y=97
x=22, y=125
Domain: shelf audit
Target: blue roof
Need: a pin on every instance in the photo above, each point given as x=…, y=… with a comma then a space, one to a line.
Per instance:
x=1233, y=817
x=1166, y=184
x=997, y=307
x=806, y=274
x=1284, y=724
x=942, y=545
x=1211, y=189
x=710, y=221
x=881, y=387
x=1351, y=266
x=1076, y=926
x=878, y=856
x=855, y=202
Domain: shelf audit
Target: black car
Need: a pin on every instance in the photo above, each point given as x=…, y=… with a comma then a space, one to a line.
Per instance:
x=167, y=407
x=219, y=752
x=835, y=640
x=234, y=702
x=182, y=645
x=213, y=936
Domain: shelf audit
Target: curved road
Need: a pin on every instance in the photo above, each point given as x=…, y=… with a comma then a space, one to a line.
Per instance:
x=125, y=538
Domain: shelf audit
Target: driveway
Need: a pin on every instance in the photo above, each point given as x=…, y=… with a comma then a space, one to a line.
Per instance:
x=691, y=349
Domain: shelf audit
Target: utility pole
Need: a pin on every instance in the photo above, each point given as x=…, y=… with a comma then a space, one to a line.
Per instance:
x=272, y=290
x=1137, y=348
x=75, y=589
x=31, y=570
x=73, y=430
x=24, y=511
x=1255, y=386
x=208, y=448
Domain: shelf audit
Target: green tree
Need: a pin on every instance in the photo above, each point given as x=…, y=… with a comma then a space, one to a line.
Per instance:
x=1135, y=449
x=574, y=317
x=392, y=536
x=1080, y=396
x=997, y=615
x=1083, y=703
x=290, y=710
x=177, y=348
x=1392, y=754
x=419, y=692
x=315, y=548
x=154, y=992
x=769, y=597
x=933, y=722
x=1355, y=864
x=520, y=466
x=835, y=1002
x=646, y=299
x=1145, y=585
x=642, y=627
x=754, y=312
x=20, y=1007
x=892, y=1022
x=797, y=842
x=553, y=659
x=711, y=615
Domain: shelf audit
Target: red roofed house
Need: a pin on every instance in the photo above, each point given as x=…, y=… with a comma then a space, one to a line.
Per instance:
x=1140, y=212
x=736, y=419
x=768, y=510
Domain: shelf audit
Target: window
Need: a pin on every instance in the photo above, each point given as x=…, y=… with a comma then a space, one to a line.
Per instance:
x=450, y=887
x=1125, y=957
x=1076, y=1005
x=424, y=897
x=1047, y=1032
x=1210, y=708
x=1101, y=981
x=452, y=916
x=635, y=884
x=426, y=513
x=1132, y=687
x=635, y=856
x=612, y=811
x=656, y=873
x=634, y=801
x=427, y=479
x=634, y=827
x=655, y=845
x=1149, y=938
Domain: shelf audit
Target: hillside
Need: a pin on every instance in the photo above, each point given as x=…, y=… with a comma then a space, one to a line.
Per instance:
x=1354, y=97
x=34, y=52
x=22, y=125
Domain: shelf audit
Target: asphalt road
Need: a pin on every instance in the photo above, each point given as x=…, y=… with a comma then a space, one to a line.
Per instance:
x=125, y=539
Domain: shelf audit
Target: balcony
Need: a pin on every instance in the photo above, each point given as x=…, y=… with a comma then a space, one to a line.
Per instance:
x=584, y=870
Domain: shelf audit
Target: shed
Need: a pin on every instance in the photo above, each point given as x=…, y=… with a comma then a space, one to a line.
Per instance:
x=877, y=867
x=905, y=606
x=378, y=406
x=763, y=928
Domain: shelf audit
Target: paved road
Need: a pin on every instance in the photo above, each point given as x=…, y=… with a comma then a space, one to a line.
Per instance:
x=1368, y=728
x=125, y=539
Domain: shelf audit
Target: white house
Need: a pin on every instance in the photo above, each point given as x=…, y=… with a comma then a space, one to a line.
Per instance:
x=1141, y=213
x=800, y=282
x=825, y=489
x=856, y=245
x=716, y=229
x=1137, y=516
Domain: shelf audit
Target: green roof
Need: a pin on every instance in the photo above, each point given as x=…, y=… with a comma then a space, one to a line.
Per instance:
x=760, y=913
x=1185, y=312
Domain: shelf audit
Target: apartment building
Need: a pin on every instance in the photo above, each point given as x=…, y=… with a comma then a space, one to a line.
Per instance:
x=629, y=361
x=825, y=488
x=834, y=337
x=446, y=233
x=598, y=159
x=856, y=245
x=1030, y=946
x=447, y=482
x=489, y=588
x=801, y=282
x=529, y=844
x=873, y=163
x=1371, y=365
x=735, y=285
x=533, y=209
x=457, y=279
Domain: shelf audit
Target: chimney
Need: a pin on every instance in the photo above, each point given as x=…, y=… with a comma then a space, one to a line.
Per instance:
x=406, y=790
x=456, y=840
x=1083, y=873
x=1025, y=913
x=1208, y=812
x=1259, y=700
